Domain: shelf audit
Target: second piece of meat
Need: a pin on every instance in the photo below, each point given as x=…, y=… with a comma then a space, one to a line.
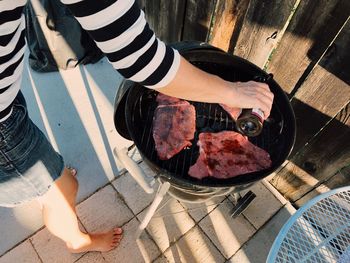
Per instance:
x=174, y=126
x=227, y=154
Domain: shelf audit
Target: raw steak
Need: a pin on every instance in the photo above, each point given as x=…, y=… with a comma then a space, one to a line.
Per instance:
x=234, y=112
x=227, y=154
x=173, y=126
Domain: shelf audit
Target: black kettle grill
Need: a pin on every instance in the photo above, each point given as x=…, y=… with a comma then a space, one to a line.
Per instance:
x=135, y=105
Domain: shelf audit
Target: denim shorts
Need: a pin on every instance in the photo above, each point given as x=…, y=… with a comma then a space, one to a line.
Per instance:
x=28, y=163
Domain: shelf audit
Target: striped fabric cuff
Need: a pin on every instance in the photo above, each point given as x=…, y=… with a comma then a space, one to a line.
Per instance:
x=120, y=30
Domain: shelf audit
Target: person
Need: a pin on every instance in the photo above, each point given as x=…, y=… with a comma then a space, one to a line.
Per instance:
x=29, y=166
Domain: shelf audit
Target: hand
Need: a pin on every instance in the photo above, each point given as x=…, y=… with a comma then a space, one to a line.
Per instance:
x=251, y=94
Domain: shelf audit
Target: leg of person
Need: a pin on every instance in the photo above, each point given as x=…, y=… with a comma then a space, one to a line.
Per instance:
x=31, y=169
x=61, y=220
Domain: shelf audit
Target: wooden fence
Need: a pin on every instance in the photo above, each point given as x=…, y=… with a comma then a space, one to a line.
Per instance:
x=306, y=45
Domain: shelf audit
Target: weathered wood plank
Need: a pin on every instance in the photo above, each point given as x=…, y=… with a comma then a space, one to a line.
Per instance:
x=312, y=29
x=326, y=90
x=197, y=19
x=319, y=160
x=227, y=22
x=263, y=26
x=165, y=17
x=340, y=179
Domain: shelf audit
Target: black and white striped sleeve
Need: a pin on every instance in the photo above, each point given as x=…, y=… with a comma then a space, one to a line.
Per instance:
x=120, y=30
x=12, y=47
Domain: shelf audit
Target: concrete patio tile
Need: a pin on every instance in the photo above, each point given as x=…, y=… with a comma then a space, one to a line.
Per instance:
x=193, y=247
x=91, y=257
x=103, y=210
x=23, y=253
x=51, y=249
x=169, y=224
x=257, y=248
x=135, y=197
x=263, y=207
x=226, y=233
x=131, y=250
x=161, y=259
x=200, y=210
x=274, y=191
x=18, y=223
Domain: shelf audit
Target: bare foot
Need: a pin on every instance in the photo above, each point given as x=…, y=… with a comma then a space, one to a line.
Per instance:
x=99, y=242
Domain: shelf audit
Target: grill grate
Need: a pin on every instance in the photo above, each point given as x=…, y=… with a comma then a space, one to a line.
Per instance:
x=277, y=136
x=209, y=118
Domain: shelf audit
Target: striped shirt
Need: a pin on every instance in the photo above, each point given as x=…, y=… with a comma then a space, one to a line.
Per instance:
x=119, y=29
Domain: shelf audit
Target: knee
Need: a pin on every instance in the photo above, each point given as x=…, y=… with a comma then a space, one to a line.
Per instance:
x=65, y=186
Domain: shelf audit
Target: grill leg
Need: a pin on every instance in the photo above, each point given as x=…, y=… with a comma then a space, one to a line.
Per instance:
x=162, y=190
x=242, y=203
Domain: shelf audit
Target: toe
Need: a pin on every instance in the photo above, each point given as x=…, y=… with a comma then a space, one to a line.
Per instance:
x=115, y=244
x=117, y=235
x=118, y=230
x=116, y=239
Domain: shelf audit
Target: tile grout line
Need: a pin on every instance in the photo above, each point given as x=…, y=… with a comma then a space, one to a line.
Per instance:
x=174, y=242
x=217, y=205
x=280, y=209
x=212, y=242
x=104, y=259
x=232, y=219
x=86, y=254
x=121, y=197
x=250, y=223
x=197, y=224
x=171, y=243
x=122, y=172
x=100, y=188
x=21, y=242
x=36, y=252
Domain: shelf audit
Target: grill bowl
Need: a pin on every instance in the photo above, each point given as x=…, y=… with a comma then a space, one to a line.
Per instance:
x=277, y=137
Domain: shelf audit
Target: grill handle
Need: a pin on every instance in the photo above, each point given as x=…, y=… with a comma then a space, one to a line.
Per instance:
x=134, y=169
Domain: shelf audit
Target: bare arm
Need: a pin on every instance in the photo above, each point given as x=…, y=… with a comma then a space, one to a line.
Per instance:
x=194, y=84
x=120, y=30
